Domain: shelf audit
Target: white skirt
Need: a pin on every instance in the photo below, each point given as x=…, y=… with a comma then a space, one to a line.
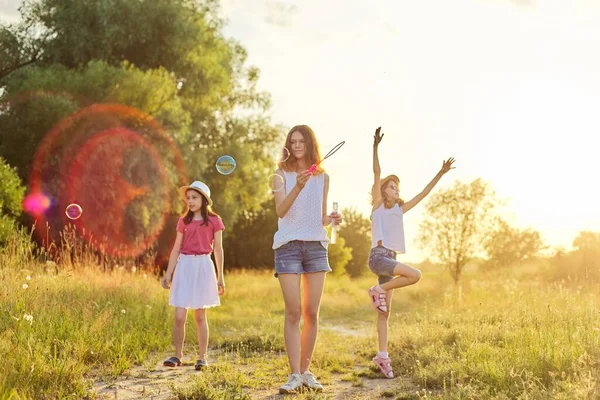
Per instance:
x=194, y=283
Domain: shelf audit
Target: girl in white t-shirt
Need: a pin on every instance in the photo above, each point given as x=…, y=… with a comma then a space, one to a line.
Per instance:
x=387, y=230
x=300, y=246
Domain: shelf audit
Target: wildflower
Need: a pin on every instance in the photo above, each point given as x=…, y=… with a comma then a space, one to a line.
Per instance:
x=123, y=311
x=28, y=278
x=25, y=286
x=28, y=318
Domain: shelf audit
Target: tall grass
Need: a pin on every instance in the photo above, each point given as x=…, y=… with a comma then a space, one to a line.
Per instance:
x=511, y=336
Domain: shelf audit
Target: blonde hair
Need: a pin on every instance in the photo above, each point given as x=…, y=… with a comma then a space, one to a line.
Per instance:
x=312, y=149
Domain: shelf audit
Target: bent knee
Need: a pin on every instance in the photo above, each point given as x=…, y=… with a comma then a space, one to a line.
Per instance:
x=416, y=276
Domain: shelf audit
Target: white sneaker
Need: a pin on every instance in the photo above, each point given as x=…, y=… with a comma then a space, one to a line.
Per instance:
x=292, y=385
x=311, y=382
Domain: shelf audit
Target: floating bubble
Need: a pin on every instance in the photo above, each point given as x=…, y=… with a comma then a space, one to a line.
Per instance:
x=36, y=204
x=73, y=211
x=225, y=165
x=284, y=155
x=276, y=182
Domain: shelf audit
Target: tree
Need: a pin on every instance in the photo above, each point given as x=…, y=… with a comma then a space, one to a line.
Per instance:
x=18, y=48
x=11, y=191
x=11, y=198
x=249, y=243
x=356, y=231
x=339, y=255
x=507, y=246
x=587, y=256
x=182, y=36
x=169, y=65
x=587, y=241
x=456, y=222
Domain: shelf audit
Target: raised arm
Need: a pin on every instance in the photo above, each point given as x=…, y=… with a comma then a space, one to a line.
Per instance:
x=446, y=166
x=284, y=202
x=375, y=192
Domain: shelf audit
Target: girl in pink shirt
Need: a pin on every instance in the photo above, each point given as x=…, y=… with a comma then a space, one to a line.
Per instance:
x=195, y=285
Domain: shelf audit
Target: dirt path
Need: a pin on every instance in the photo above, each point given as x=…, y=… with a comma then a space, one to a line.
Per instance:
x=154, y=381
x=139, y=383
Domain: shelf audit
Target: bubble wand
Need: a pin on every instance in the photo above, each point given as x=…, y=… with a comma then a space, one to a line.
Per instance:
x=334, y=225
x=313, y=167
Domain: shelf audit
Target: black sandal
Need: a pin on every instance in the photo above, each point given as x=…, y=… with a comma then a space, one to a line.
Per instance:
x=200, y=364
x=172, y=362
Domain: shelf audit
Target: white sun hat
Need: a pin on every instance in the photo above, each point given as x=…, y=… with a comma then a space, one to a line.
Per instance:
x=198, y=186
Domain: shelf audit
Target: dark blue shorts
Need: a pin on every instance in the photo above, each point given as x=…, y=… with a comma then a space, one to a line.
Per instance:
x=382, y=262
x=301, y=257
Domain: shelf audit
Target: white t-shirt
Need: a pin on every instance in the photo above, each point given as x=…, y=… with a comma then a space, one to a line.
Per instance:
x=387, y=225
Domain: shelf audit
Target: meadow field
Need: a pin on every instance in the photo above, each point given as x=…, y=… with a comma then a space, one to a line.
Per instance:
x=78, y=332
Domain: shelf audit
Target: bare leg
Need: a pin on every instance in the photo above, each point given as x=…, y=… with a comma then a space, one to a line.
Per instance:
x=290, y=286
x=179, y=330
x=382, y=322
x=403, y=276
x=202, y=328
x=313, y=290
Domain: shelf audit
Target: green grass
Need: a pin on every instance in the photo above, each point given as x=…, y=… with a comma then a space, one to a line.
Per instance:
x=509, y=338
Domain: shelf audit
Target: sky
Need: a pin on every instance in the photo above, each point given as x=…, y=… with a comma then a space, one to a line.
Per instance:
x=508, y=88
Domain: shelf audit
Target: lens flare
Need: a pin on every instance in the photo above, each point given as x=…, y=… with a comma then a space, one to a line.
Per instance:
x=36, y=204
x=120, y=166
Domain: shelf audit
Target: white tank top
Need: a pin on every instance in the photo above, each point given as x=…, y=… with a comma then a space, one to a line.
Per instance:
x=304, y=219
x=387, y=225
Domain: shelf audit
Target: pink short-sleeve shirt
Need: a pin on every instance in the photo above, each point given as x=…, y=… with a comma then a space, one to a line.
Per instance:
x=197, y=237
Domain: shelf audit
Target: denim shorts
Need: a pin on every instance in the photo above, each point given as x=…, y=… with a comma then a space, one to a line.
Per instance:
x=301, y=257
x=382, y=262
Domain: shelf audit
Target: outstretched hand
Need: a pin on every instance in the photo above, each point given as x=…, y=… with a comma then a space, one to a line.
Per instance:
x=447, y=165
x=377, y=137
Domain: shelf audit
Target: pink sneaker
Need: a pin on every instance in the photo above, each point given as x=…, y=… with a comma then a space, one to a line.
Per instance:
x=384, y=365
x=377, y=295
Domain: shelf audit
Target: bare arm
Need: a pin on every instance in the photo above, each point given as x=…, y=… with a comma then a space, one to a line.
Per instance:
x=166, y=280
x=218, y=250
x=446, y=166
x=375, y=191
x=283, y=203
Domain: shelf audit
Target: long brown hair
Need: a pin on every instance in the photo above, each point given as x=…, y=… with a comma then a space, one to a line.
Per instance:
x=205, y=211
x=312, y=149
